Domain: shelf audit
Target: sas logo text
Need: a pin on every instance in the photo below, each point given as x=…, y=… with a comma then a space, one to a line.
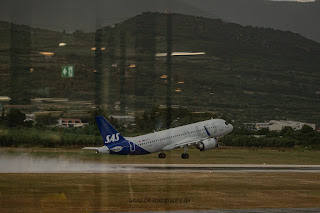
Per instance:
x=112, y=138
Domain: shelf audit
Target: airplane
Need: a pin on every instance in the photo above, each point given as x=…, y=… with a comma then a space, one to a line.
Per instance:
x=203, y=135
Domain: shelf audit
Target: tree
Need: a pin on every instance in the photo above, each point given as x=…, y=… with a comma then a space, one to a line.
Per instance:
x=15, y=118
x=306, y=129
x=45, y=119
x=95, y=113
x=263, y=131
x=286, y=131
x=28, y=124
x=3, y=118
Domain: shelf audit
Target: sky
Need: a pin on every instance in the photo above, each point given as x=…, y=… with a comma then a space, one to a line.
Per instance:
x=296, y=0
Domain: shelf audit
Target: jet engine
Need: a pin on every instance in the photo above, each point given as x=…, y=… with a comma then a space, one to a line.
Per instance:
x=103, y=150
x=207, y=144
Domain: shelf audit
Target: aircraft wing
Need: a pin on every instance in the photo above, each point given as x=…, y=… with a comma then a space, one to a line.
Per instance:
x=183, y=143
x=191, y=141
x=186, y=142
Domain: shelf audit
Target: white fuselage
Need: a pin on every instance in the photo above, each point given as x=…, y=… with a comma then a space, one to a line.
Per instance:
x=171, y=138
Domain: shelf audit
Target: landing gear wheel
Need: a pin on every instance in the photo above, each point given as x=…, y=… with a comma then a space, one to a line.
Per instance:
x=185, y=156
x=162, y=155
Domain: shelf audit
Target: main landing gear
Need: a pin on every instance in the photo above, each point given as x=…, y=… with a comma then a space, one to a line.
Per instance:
x=162, y=155
x=185, y=155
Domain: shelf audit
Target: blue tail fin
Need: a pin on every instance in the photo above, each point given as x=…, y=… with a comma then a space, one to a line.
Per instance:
x=108, y=132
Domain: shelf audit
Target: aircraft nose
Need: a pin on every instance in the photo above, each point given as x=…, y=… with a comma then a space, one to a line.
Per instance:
x=230, y=128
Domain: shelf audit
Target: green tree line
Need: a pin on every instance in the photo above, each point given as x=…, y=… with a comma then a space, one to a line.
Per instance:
x=286, y=138
x=14, y=131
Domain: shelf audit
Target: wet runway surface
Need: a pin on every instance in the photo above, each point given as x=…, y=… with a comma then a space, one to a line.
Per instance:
x=271, y=210
x=229, y=168
x=30, y=164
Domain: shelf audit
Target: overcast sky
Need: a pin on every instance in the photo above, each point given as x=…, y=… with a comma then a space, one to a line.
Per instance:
x=87, y=15
x=296, y=0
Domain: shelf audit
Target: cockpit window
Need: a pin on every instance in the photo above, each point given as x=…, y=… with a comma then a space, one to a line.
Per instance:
x=226, y=123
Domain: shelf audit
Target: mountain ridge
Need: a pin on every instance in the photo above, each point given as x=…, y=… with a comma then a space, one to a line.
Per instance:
x=247, y=73
x=86, y=15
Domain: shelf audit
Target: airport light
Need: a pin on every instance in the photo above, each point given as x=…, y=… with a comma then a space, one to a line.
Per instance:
x=5, y=98
x=47, y=54
x=62, y=44
x=164, y=77
x=180, y=54
x=94, y=48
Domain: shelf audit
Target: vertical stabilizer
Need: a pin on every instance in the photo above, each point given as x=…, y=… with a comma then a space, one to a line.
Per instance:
x=108, y=132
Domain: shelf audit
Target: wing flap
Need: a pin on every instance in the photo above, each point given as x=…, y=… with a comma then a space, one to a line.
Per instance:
x=186, y=142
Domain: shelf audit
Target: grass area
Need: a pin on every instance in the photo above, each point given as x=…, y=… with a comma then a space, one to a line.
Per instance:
x=155, y=192
x=221, y=155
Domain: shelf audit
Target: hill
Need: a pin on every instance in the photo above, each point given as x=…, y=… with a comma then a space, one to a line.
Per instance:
x=247, y=74
x=71, y=15
x=253, y=73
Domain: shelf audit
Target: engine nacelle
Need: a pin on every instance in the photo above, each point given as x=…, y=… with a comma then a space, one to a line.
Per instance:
x=103, y=150
x=208, y=144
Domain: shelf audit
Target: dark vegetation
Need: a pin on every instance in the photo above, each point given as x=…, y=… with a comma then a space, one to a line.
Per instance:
x=305, y=138
x=15, y=132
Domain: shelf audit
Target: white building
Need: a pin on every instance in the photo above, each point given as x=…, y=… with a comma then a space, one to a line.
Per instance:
x=259, y=126
x=274, y=125
x=295, y=125
x=71, y=122
x=30, y=117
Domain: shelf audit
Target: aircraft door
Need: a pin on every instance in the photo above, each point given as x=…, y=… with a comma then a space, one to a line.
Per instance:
x=132, y=147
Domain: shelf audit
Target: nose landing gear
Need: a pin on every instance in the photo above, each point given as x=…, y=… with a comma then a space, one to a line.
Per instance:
x=162, y=155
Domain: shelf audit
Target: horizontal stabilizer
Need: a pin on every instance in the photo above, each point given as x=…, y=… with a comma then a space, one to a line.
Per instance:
x=91, y=148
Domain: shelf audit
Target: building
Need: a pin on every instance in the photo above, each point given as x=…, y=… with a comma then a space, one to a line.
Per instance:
x=274, y=125
x=259, y=126
x=71, y=122
x=295, y=125
x=30, y=117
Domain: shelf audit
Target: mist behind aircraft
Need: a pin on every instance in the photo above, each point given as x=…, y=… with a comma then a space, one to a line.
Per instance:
x=25, y=163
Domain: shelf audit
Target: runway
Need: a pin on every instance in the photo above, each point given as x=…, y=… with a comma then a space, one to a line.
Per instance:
x=225, y=168
x=269, y=210
x=31, y=164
